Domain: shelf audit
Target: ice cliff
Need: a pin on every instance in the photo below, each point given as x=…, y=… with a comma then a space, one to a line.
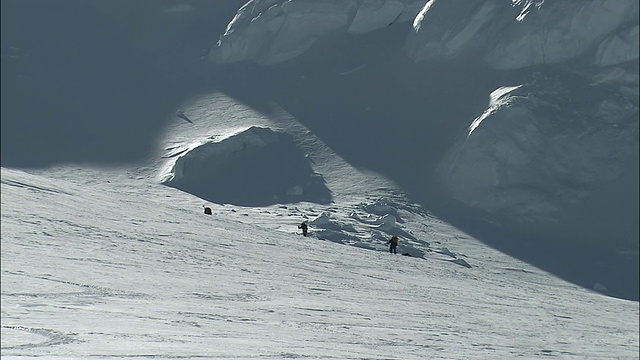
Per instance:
x=526, y=32
x=273, y=31
x=509, y=35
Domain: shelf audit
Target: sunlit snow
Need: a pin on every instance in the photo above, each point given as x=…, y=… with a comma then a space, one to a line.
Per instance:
x=151, y=201
x=109, y=263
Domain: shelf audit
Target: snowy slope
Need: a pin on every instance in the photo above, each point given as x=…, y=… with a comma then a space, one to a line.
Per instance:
x=116, y=133
x=109, y=263
x=235, y=155
x=99, y=265
x=554, y=161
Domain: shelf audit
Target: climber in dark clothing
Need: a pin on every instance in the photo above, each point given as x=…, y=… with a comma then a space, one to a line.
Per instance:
x=393, y=244
x=304, y=228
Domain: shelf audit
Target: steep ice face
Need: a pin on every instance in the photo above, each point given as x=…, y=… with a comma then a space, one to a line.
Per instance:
x=524, y=34
x=561, y=126
x=270, y=32
x=446, y=28
x=274, y=31
x=561, y=31
x=549, y=141
x=507, y=36
x=535, y=151
x=375, y=14
x=620, y=46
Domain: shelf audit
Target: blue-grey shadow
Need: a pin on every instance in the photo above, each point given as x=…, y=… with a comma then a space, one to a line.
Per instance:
x=248, y=172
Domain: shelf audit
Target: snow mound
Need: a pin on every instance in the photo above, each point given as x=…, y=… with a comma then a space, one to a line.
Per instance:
x=255, y=167
x=370, y=225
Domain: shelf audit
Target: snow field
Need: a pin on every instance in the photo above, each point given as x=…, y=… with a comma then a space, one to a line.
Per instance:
x=131, y=271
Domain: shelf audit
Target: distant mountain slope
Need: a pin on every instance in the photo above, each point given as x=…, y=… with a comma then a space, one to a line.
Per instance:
x=533, y=162
x=97, y=264
x=411, y=91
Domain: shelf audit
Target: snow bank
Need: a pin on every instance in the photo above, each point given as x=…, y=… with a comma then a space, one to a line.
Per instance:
x=257, y=166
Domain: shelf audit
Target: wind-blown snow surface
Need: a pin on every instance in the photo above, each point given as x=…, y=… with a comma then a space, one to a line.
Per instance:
x=109, y=263
x=99, y=265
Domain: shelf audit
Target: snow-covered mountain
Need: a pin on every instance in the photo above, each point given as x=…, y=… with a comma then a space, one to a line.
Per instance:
x=549, y=134
x=546, y=139
x=513, y=184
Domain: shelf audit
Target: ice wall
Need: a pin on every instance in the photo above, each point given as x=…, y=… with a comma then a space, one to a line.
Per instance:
x=269, y=32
